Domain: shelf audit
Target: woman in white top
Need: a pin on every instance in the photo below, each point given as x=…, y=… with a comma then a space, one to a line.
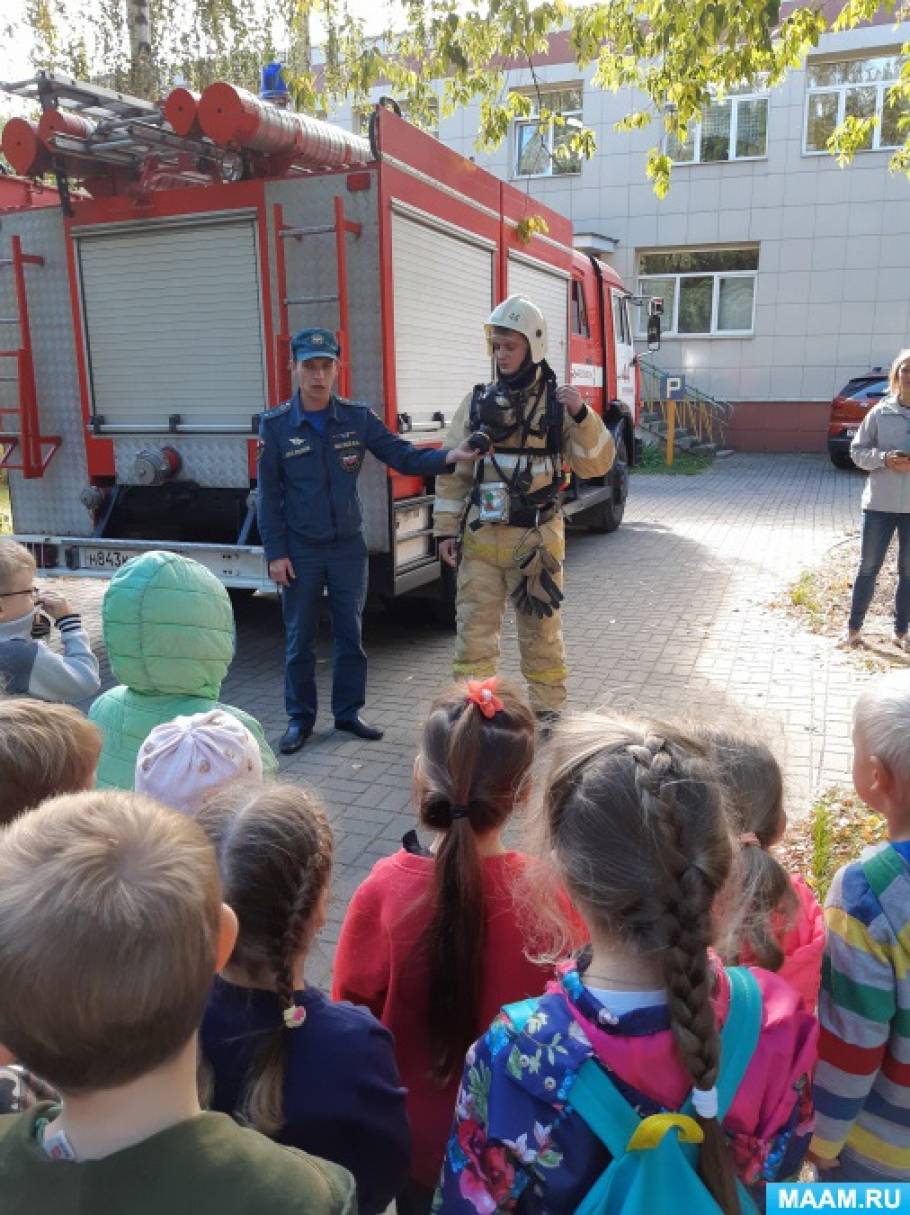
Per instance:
x=881, y=446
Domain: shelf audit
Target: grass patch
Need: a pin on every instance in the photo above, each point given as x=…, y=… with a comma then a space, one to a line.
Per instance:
x=836, y=830
x=805, y=594
x=653, y=460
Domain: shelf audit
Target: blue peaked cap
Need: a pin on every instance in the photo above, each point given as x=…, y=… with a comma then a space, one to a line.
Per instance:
x=314, y=344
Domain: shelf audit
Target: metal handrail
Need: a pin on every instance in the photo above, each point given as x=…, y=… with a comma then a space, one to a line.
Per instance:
x=705, y=415
x=692, y=393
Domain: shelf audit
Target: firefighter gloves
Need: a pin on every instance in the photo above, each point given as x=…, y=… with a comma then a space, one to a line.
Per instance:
x=537, y=593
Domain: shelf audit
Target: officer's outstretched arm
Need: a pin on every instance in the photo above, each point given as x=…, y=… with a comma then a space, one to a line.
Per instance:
x=588, y=445
x=454, y=487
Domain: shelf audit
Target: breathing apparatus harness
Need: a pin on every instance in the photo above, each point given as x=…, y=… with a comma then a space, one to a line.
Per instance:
x=507, y=408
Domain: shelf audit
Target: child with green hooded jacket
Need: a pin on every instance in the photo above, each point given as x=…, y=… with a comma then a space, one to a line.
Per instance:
x=168, y=626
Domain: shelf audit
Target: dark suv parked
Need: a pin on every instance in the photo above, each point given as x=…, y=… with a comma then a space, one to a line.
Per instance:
x=849, y=408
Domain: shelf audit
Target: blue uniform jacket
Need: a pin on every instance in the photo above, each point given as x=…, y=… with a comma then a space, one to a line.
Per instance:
x=307, y=482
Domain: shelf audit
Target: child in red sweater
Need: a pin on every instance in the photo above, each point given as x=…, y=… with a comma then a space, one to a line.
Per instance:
x=432, y=942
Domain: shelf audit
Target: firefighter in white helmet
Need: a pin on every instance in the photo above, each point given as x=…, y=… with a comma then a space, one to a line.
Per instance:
x=500, y=520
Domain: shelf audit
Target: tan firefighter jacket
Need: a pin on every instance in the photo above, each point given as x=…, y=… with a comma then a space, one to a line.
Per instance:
x=587, y=449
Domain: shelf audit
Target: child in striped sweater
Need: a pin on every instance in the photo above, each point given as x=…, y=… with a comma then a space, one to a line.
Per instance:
x=862, y=1084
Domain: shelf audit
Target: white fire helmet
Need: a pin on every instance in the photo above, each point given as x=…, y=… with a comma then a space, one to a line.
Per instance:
x=520, y=314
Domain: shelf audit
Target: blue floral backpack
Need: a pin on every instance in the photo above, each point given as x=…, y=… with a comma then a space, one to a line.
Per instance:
x=653, y=1166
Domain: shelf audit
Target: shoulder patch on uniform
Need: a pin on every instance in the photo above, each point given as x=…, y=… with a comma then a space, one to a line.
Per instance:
x=268, y=414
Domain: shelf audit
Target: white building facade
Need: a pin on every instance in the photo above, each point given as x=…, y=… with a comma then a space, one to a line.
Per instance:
x=782, y=274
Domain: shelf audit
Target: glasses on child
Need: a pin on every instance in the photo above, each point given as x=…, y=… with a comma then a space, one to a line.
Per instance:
x=29, y=590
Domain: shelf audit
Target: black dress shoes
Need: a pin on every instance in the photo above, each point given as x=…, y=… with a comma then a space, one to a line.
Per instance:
x=356, y=725
x=294, y=737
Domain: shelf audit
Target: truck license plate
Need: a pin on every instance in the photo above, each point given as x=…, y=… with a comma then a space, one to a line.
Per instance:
x=103, y=558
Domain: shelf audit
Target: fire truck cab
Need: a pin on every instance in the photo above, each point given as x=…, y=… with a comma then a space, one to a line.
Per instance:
x=152, y=317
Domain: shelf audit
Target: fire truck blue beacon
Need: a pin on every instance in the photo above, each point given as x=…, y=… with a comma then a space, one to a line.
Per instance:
x=311, y=522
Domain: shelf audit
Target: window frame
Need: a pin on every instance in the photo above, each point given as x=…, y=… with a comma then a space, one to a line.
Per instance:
x=880, y=86
x=519, y=123
x=581, y=325
x=734, y=99
x=669, y=324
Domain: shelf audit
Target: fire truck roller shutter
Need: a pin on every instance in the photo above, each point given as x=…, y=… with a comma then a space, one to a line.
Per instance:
x=442, y=285
x=173, y=323
x=549, y=289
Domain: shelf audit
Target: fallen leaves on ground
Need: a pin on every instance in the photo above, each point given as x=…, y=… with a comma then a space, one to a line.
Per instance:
x=836, y=831
x=820, y=600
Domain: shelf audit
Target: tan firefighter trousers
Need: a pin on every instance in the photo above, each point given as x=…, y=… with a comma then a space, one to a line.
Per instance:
x=487, y=575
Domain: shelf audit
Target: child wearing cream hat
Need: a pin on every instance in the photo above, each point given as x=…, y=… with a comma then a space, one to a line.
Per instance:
x=184, y=761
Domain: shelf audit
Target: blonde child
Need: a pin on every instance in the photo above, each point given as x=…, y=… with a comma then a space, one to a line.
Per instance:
x=432, y=942
x=778, y=923
x=631, y=821
x=28, y=667
x=308, y=1072
x=862, y=1082
x=45, y=750
x=185, y=761
x=111, y=928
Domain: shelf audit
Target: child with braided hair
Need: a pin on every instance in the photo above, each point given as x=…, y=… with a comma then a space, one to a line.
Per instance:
x=432, y=941
x=630, y=820
x=778, y=924
x=308, y=1072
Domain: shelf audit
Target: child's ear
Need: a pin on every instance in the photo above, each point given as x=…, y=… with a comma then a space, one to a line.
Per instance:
x=882, y=776
x=227, y=936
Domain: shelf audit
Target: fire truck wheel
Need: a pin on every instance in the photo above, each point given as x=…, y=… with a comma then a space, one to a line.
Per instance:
x=607, y=515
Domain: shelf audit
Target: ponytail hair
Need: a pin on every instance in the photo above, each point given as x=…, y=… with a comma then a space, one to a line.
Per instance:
x=466, y=779
x=753, y=788
x=273, y=845
x=631, y=815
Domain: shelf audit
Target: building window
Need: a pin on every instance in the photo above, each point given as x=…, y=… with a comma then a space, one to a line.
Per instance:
x=733, y=129
x=705, y=291
x=545, y=152
x=361, y=119
x=854, y=88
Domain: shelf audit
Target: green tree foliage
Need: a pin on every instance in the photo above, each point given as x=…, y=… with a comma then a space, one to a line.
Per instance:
x=670, y=59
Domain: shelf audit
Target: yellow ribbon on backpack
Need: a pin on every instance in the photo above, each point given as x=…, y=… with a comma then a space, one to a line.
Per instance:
x=651, y=1131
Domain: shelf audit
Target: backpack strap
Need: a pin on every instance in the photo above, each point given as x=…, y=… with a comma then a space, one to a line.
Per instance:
x=613, y=1120
x=880, y=870
x=739, y=1036
x=599, y=1102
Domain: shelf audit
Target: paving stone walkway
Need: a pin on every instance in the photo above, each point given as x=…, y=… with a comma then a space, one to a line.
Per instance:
x=671, y=614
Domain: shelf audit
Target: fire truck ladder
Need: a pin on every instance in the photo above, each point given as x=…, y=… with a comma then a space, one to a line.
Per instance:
x=121, y=131
x=35, y=450
x=340, y=227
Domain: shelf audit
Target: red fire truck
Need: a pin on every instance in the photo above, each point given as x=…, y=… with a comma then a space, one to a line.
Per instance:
x=153, y=310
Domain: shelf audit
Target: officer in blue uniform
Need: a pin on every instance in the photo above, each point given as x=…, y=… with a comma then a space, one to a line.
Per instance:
x=311, y=449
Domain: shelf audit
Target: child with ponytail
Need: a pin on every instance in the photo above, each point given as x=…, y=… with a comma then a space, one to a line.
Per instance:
x=778, y=924
x=310, y=1073
x=432, y=942
x=631, y=820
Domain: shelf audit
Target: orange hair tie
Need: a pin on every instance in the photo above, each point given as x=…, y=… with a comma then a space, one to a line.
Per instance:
x=482, y=692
